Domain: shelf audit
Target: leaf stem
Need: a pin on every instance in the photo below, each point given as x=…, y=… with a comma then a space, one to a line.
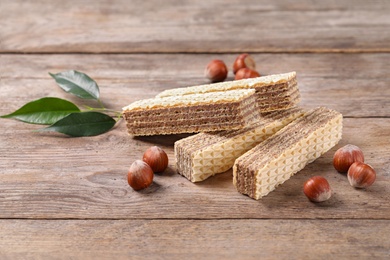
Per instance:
x=119, y=115
x=103, y=109
x=100, y=103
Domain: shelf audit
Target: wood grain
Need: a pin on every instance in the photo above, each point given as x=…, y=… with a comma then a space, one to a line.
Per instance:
x=68, y=198
x=194, y=239
x=354, y=84
x=186, y=26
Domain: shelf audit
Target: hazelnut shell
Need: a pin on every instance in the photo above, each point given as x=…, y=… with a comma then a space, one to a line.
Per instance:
x=361, y=175
x=140, y=175
x=216, y=71
x=156, y=158
x=243, y=61
x=346, y=156
x=246, y=73
x=317, y=189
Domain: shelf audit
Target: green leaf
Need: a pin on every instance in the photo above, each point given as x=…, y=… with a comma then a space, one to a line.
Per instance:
x=77, y=83
x=83, y=124
x=45, y=111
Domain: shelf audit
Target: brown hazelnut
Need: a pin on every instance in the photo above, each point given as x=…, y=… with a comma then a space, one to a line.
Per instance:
x=156, y=158
x=216, y=71
x=317, y=189
x=140, y=175
x=246, y=73
x=346, y=156
x=243, y=61
x=361, y=175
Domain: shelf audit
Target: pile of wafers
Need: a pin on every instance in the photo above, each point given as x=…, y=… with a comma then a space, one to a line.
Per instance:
x=253, y=125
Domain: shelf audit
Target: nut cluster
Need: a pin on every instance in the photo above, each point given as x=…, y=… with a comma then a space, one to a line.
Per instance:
x=348, y=159
x=244, y=67
x=141, y=173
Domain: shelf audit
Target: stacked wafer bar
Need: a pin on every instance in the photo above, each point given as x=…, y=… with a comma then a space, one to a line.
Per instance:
x=205, y=154
x=273, y=92
x=272, y=162
x=214, y=111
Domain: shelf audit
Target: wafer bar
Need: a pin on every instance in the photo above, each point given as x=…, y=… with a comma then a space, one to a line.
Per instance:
x=272, y=162
x=205, y=154
x=192, y=113
x=274, y=92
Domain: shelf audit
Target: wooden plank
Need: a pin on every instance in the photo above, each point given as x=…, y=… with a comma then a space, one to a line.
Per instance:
x=195, y=239
x=194, y=26
x=354, y=84
x=50, y=176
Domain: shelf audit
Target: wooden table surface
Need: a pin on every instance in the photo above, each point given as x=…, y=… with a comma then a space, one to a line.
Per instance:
x=68, y=198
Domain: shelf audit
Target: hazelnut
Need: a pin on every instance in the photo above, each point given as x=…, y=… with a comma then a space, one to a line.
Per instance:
x=361, y=175
x=246, y=73
x=216, y=71
x=317, y=189
x=243, y=61
x=156, y=158
x=140, y=175
x=346, y=156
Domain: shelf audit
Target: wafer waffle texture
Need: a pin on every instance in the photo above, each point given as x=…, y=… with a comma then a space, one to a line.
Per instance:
x=274, y=92
x=191, y=113
x=272, y=162
x=203, y=155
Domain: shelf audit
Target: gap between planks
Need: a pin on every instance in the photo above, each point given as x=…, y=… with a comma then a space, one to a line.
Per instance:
x=276, y=51
x=194, y=219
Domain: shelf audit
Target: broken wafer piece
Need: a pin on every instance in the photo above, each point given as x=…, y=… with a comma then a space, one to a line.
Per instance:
x=272, y=162
x=205, y=154
x=192, y=113
x=273, y=92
